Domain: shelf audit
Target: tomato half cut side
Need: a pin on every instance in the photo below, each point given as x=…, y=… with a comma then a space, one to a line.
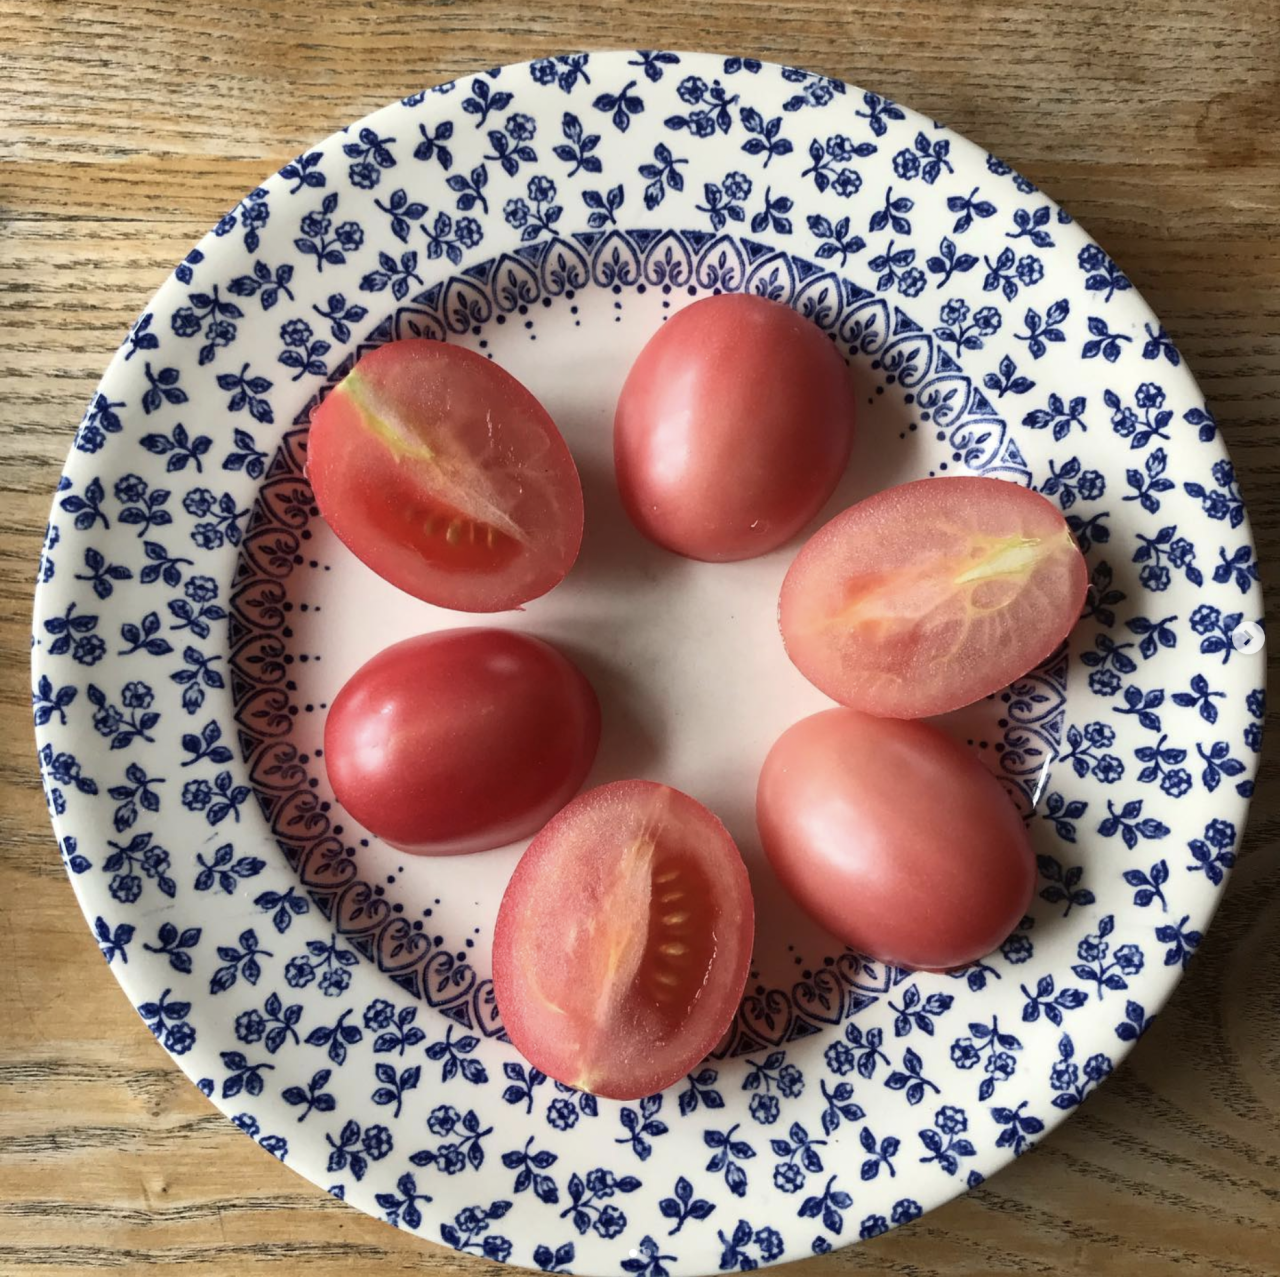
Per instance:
x=623, y=940
x=443, y=474
x=931, y=595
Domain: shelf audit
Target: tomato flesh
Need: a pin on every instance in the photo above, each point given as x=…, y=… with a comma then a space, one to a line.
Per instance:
x=623, y=940
x=894, y=838
x=461, y=740
x=931, y=595
x=733, y=428
x=444, y=474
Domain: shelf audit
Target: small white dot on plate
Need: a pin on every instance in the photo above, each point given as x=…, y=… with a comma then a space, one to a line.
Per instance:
x=1248, y=637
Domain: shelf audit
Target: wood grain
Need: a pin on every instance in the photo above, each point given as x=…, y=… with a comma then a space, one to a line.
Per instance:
x=127, y=128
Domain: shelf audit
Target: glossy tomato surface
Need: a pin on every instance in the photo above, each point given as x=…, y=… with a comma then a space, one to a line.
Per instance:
x=931, y=595
x=443, y=474
x=894, y=838
x=461, y=740
x=732, y=429
x=623, y=940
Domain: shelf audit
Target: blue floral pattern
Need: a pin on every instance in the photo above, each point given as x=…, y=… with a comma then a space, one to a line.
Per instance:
x=852, y=1098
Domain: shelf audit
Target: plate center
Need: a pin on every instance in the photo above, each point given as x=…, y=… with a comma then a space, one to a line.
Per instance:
x=686, y=657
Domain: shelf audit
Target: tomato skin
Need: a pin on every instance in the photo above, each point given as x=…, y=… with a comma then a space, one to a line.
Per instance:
x=931, y=595
x=894, y=838
x=443, y=474
x=733, y=427
x=627, y=874
x=461, y=740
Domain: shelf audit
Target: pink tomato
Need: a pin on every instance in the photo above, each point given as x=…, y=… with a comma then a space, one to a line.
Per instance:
x=623, y=940
x=931, y=595
x=894, y=838
x=461, y=740
x=443, y=474
x=732, y=429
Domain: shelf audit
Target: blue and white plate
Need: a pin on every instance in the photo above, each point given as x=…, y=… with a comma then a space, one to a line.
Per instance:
x=194, y=618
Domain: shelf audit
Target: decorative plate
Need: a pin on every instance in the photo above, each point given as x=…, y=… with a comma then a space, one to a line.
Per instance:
x=194, y=617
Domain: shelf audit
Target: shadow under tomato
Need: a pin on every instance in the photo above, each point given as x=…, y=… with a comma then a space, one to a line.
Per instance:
x=615, y=556
x=631, y=728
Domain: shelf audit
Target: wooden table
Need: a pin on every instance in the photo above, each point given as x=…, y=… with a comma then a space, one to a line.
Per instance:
x=126, y=129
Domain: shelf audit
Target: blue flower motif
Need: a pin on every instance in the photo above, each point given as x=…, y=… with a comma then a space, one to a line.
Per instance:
x=334, y=982
x=1030, y=225
x=1213, y=854
x=858, y=1051
x=648, y=1261
x=1064, y=1077
x=727, y=1157
x=737, y=186
x=553, y=1261
x=1220, y=833
x=562, y=1114
x=769, y=1240
x=905, y=1210
x=841, y=149
x=442, y=1120
x=1092, y=485
x=906, y=164
x=1149, y=884
x=584, y=1210
x=1183, y=943
x=129, y=489
x=1104, y=682
x=1046, y=328
x=197, y=795
x=378, y=1014
x=201, y=589
x=376, y=1142
x=1030, y=269
x=1017, y=1127
x=816, y=90
x=767, y=139
x=296, y=332
x=691, y=90
x=928, y=159
x=1104, y=275
x=879, y=111
x=846, y=183
x=1017, y=949
x=398, y=274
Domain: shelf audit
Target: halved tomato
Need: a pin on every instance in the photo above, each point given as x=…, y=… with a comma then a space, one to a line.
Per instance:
x=442, y=473
x=931, y=595
x=623, y=940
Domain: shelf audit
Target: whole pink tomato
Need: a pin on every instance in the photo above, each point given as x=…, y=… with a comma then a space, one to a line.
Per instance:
x=895, y=838
x=732, y=429
x=461, y=740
